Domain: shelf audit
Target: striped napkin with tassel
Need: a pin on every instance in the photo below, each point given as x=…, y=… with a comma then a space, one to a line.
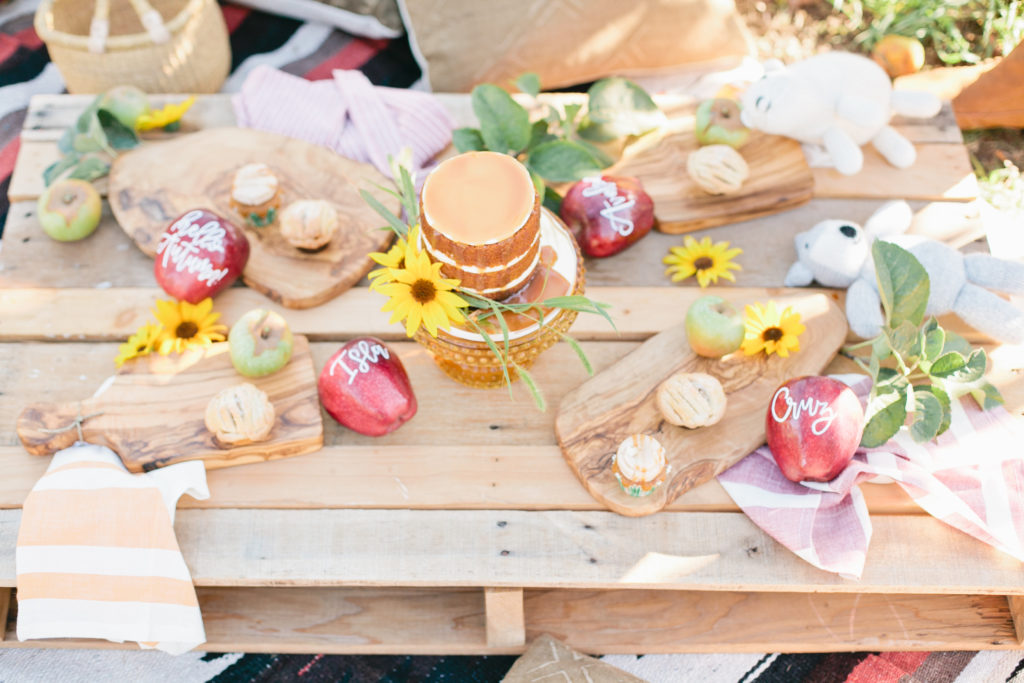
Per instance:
x=97, y=556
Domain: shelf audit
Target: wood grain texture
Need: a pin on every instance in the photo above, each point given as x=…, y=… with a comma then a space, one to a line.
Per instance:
x=1015, y=603
x=503, y=611
x=5, y=606
x=152, y=185
x=717, y=551
x=779, y=176
x=620, y=402
x=449, y=622
x=942, y=172
x=131, y=416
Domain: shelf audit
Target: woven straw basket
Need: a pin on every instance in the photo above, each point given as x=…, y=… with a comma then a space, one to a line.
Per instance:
x=174, y=46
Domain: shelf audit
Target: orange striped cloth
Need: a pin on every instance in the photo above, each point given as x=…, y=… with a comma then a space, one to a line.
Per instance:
x=97, y=556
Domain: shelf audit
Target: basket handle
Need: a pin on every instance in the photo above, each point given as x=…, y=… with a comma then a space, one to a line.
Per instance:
x=99, y=29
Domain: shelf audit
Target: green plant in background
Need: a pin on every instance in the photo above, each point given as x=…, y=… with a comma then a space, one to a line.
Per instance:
x=960, y=31
x=930, y=366
x=87, y=146
x=562, y=146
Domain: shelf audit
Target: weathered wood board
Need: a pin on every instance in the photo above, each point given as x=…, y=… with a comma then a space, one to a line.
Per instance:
x=152, y=185
x=620, y=402
x=151, y=414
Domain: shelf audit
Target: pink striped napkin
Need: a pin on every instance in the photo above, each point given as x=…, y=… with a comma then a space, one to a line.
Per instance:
x=347, y=114
x=971, y=478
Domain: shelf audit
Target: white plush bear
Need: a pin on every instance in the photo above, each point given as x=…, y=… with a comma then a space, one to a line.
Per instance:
x=837, y=253
x=838, y=101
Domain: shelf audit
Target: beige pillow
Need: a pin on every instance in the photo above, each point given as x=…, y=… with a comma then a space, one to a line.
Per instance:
x=461, y=43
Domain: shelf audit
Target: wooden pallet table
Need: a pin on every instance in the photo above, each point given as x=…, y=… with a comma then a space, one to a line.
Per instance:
x=465, y=531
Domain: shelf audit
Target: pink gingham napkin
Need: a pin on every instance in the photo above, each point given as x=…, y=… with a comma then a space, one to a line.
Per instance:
x=971, y=478
x=347, y=114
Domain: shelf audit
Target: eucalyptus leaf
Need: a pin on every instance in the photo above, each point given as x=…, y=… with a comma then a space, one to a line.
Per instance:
x=118, y=135
x=538, y=182
x=928, y=416
x=987, y=396
x=972, y=370
x=905, y=339
x=902, y=283
x=539, y=133
x=59, y=167
x=933, y=342
x=886, y=414
x=90, y=168
x=563, y=161
x=880, y=347
x=954, y=342
x=571, y=112
x=66, y=144
x=529, y=83
x=944, y=400
x=617, y=107
x=600, y=156
x=83, y=143
x=85, y=119
x=468, y=140
x=504, y=124
x=552, y=201
x=98, y=135
x=947, y=365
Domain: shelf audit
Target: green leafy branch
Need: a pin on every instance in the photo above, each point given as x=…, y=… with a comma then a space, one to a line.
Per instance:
x=88, y=146
x=560, y=147
x=926, y=367
x=487, y=310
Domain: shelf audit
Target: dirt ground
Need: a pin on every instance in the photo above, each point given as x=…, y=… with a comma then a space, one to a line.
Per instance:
x=801, y=28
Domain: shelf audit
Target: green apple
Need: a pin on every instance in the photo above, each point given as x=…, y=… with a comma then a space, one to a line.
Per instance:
x=126, y=102
x=714, y=327
x=261, y=343
x=718, y=123
x=69, y=210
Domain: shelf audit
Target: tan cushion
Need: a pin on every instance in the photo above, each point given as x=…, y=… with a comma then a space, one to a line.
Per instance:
x=548, y=660
x=465, y=42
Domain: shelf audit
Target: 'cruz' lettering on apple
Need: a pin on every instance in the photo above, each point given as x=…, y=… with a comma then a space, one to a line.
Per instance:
x=362, y=355
x=182, y=243
x=614, y=205
x=809, y=406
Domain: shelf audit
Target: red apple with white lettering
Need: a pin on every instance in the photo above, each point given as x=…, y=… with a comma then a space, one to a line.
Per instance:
x=607, y=214
x=813, y=426
x=364, y=387
x=199, y=255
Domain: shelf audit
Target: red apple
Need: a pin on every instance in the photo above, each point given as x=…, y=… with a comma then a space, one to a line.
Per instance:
x=199, y=254
x=364, y=387
x=607, y=214
x=814, y=426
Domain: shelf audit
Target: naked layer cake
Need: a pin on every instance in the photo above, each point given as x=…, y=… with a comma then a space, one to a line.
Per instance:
x=480, y=217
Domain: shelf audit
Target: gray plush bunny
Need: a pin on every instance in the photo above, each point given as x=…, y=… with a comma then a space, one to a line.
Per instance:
x=837, y=253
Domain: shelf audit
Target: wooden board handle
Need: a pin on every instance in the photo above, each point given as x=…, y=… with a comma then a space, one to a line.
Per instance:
x=45, y=428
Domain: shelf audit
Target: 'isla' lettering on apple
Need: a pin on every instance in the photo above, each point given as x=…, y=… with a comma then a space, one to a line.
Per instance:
x=363, y=354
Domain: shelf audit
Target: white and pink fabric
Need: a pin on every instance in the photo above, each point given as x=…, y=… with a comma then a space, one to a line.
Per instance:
x=347, y=114
x=971, y=478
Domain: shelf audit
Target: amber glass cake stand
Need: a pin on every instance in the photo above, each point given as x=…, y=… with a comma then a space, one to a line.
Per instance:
x=471, y=362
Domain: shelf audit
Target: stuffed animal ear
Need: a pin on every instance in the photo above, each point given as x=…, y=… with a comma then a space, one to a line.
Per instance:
x=799, y=275
x=892, y=218
x=772, y=66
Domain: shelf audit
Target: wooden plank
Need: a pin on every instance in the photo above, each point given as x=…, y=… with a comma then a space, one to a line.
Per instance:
x=503, y=613
x=941, y=172
x=556, y=549
x=5, y=606
x=1016, y=606
x=57, y=112
x=112, y=314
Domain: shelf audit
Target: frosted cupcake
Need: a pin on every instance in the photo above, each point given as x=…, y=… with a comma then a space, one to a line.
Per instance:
x=640, y=465
x=255, y=193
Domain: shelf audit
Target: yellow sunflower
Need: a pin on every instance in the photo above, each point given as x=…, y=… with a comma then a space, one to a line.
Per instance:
x=187, y=326
x=139, y=344
x=391, y=259
x=708, y=261
x=167, y=117
x=418, y=294
x=771, y=331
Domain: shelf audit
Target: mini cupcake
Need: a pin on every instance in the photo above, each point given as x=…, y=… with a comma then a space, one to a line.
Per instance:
x=309, y=224
x=640, y=465
x=255, y=193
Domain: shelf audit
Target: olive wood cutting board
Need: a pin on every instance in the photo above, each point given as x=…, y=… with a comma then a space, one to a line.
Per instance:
x=620, y=401
x=779, y=179
x=155, y=183
x=151, y=412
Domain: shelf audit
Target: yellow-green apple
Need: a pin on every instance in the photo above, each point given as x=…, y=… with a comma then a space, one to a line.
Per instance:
x=714, y=327
x=69, y=210
x=126, y=102
x=813, y=426
x=260, y=343
x=198, y=255
x=607, y=214
x=718, y=123
x=364, y=387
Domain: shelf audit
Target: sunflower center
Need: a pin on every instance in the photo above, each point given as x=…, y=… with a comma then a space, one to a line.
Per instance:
x=772, y=334
x=424, y=291
x=703, y=263
x=186, y=330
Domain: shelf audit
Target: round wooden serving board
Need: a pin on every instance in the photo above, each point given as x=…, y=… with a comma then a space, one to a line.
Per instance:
x=152, y=185
x=620, y=401
x=152, y=412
